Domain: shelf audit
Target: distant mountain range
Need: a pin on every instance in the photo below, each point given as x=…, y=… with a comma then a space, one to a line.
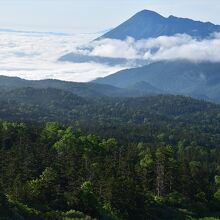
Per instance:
x=149, y=24
x=201, y=80
x=198, y=80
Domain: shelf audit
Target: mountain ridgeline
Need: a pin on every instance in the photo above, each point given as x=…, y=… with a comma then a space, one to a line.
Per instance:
x=81, y=89
x=199, y=80
x=149, y=24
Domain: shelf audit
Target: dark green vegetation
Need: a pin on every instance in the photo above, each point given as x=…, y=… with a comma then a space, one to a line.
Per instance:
x=48, y=172
x=58, y=105
x=133, y=158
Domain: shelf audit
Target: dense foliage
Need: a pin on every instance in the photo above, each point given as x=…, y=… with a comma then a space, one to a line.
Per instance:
x=52, y=172
x=108, y=158
x=146, y=119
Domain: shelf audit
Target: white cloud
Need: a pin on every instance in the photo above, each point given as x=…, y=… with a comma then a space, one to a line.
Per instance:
x=114, y=48
x=35, y=55
x=193, y=50
x=180, y=46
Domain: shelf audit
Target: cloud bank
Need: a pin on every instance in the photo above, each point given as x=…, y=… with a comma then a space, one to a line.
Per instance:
x=35, y=55
x=180, y=46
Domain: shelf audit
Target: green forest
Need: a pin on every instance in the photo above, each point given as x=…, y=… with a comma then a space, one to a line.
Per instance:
x=69, y=157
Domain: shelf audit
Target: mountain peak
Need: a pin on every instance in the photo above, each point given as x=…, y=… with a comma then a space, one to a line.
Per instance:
x=146, y=13
x=149, y=24
x=172, y=17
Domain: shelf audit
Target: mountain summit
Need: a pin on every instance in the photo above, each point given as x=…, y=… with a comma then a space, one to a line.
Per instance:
x=149, y=24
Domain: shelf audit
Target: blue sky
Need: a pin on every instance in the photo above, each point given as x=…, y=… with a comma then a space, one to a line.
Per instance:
x=82, y=16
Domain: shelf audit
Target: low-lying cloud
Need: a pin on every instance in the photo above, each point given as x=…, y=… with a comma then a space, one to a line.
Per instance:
x=35, y=55
x=180, y=46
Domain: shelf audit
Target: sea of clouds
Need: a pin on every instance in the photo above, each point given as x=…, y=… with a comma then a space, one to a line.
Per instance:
x=35, y=55
x=32, y=55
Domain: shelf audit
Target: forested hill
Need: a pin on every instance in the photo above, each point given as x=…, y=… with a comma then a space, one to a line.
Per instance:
x=50, y=100
x=125, y=118
x=65, y=157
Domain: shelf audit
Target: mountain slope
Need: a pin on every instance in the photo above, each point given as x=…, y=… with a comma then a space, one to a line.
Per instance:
x=176, y=77
x=43, y=97
x=80, y=89
x=148, y=24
